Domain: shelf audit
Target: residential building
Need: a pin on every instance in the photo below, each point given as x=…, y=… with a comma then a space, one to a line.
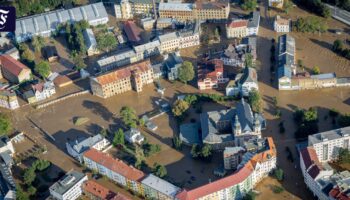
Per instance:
x=145, y=7
x=327, y=144
x=95, y=191
x=200, y=10
x=68, y=187
x=148, y=23
x=172, y=64
x=276, y=3
x=190, y=35
x=133, y=32
x=114, y=169
x=147, y=50
x=235, y=55
x=125, y=9
x=253, y=24
x=237, y=28
x=232, y=157
x=77, y=147
x=157, y=188
x=13, y=70
x=282, y=25
x=134, y=136
x=244, y=83
x=221, y=128
x=165, y=23
x=50, y=53
x=117, y=60
x=90, y=42
x=236, y=185
x=286, y=61
x=8, y=99
x=44, y=24
x=211, y=74
x=133, y=76
x=39, y=92
x=6, y=146
x=7, y=183
x=169, y=42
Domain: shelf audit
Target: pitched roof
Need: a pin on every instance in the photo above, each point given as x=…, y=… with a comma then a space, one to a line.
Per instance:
x=13, y=66
x=217, y=5
x=132, y=31
x=102, y=192
x=114, y=164
x=210, y=69
x=124, y=72
x=238, y=23
x=309, y=156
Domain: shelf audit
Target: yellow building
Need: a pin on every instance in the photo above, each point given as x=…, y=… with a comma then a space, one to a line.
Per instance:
x=237, y=29
x=133, y=76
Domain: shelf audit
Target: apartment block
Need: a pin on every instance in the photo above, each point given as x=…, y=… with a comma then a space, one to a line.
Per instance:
x=282, y=25
x=237, y=29
x=115, y=169
x=133, y=76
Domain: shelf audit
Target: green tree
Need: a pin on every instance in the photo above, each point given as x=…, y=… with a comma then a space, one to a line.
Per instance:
x=20, y=194
x=278, y=173
x=139, y=156
x=316, y=70
x=43, y=69
x=159, y=170
x=128, y=116
x=344, y=120
x=186, y=72
x=248, y=60
x=191, y=99
x=206, y=151
x=338, y=46
x=38, y=42
x=310, y=115
x=106, y=41
x=179, y=107
x=78, y=61
x=255, y=101
x=344, y=156
x=25, y=53
x=103, y=132
x=31, y=190
x=150, y=149
x=311, y=24
x=119, y=138
x=5, y=124
x=249, y=5
x=250, y=196
x=195, y=151
x=287, y=6
x=41, y=165
x=29, y=176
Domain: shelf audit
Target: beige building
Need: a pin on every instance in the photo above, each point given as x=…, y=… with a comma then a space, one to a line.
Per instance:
x=304, y=81
x=133, y=76
x=282, y=25
x=8, y=100
x=13, y=70
x=237, y=29
x=213, y=10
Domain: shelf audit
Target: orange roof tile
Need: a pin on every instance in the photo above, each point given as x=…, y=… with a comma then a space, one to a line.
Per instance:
x=238, y=23
x=114, y=164
x=124, y=72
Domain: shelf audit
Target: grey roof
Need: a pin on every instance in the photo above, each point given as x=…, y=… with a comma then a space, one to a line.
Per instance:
x=82, y=144
x=189, y=133
x=67, y=182
x=144, y=1
x=209, y=120
x=286, y=44
x=286, y=59
x=4, y=139
x=90, y=39
x=47, y=22
x=172, y=61
x=168, y=36
x=343, y=80
x=116, y=58
x=284, y=71
x=324, y=76
x=233, y=150
x=160, y=185
x=329, y=135
x=175, y=6
x=131, y=132
x=148, y=46
x=165, y=20
x=249, y=75
x=245, y=116
x=255, y=20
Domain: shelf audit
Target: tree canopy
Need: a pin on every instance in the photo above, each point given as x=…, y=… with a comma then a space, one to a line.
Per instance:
x=5, y=124
x=38, y=42
x=129, y=117
x=106, y=41
x=255, y=101
x=159, y=170
x=43, y=69
x=310, y=24
x=186, y=72
x=179, y=107
x=119, y=138
x=249, y=5
x=316, y=70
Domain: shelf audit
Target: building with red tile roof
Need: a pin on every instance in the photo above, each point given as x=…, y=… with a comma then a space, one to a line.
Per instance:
x=132, y=31
x=237, y=28
x=211, y=74
x=13, y=70
x=133, y=76
x=96, y=191
x=234, y=186
x=115, y=169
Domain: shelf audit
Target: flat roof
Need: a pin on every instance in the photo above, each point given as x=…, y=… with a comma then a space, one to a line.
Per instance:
x=329, y=135
x=176, y=6
x=67, y=182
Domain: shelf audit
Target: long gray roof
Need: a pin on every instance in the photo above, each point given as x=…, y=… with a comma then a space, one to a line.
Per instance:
x=47, y=22
x=255, y=20
x=329, y=135
x=160, y=185
x=286, y=44
x=82, y=144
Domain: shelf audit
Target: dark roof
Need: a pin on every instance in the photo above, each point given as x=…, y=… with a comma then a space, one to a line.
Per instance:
x=132, y=31
x=254, y=20
x=286, y=44
x=283, y=71
x=49, y=51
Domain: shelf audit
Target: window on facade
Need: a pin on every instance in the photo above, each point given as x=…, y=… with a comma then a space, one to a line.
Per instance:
x=325, y=152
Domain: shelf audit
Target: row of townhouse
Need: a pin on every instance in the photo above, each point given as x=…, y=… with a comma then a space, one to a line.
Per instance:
x=200, y=10
x=126, y=9
x=45, y=24
x=235, y=186
x=121, y=80
x=239, y=28
x=167, y=43
x=319, y=176
x=149, y=186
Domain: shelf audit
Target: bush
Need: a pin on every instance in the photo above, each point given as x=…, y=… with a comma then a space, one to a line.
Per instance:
x=278, y=174
x=276, y=189
x=310, y=25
